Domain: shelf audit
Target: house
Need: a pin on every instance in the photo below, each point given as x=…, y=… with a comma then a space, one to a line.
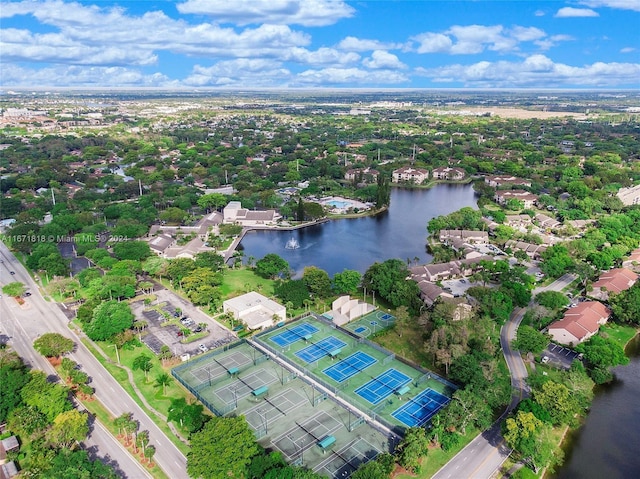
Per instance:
x=438, y=271
x=613, y=281
x=255, y=310
x=517, y=221
x=410, y=174
x=448, y=173
x=365, y=175
x=467, y=236
x=430, y=292
x=499, y=181
x=546, y=222
x=534, y=251
x=629, y=196
x=633, y=261
x=579, y=323
x=8, y=469
x=503, y=196
x=160, y=243
x=235, y=213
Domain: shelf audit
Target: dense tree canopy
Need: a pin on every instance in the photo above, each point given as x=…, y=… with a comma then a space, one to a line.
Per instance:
x=109, y=318
x=53, y=345
x=272, y=266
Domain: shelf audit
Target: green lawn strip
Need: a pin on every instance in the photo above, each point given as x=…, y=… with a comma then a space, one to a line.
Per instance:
x=436, y=458
x=194, y=337
x=409, y=345
x=96, y=408
x=244, y=279
x=154, y=396
x=620, y=333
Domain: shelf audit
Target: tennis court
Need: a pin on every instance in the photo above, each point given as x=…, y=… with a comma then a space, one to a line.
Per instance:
x=244, y=386
x=343, y=462
x=350, y=366
x=383, y=386
x=273, y=408
x=292, y=335
x=306, y=434
x=218, y=368
x=420, y=409
x=371, y=323
x=320, y=349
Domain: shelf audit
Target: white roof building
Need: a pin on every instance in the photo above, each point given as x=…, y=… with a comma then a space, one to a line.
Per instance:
x=255, y=311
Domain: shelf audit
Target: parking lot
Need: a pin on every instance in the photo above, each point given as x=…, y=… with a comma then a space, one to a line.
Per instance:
x=559, y=356
x=457, y=287
x=185, y=316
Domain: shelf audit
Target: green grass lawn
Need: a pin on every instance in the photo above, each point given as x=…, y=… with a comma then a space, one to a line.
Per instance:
x=155, y=396
x=406, y=341
x=245, y=280
x=621, y=333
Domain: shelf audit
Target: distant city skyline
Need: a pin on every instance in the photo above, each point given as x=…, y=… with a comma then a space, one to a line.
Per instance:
x=249, y=44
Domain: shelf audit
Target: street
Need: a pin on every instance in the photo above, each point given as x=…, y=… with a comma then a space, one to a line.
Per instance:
x=483, y=456
x=23, y=324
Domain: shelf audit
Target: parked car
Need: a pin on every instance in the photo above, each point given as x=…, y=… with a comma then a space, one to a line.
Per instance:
x=28, y=293
x=203, y=348
x=180, y=333
x=197, y=329
x=12, y=272
x=545, y=359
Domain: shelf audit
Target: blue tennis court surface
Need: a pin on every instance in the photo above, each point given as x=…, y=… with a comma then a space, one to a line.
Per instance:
x=321, y=348
x=383, y=386
x=421, y=408
x=360, y=329
x=386, y=317
x=294, y=334
x=373, y=323
x=350, y=366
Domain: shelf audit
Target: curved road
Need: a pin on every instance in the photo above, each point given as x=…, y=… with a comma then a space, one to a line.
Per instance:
x=483, y=456
x=37, y=316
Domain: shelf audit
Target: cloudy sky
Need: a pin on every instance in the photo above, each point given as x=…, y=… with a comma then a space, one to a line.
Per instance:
x=198, y=44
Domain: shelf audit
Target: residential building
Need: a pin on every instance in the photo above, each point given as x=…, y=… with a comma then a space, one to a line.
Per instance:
x=534, y=251
x=235, y=213
x=546, y=222
x=255, y=310
x=629, y=196
x=448, y=173
x=468, y=236
x=528, y=199
x=410, y=175
x=633, y=261
x=499, y=181
x=579, y=323
x=367, y=175
x=613, y=281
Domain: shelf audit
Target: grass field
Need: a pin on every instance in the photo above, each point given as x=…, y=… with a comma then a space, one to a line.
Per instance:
x=620, y=333
x=242, y=280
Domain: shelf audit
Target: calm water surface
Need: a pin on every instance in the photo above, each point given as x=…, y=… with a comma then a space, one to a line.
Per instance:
x=608, y=445
x=356, y=244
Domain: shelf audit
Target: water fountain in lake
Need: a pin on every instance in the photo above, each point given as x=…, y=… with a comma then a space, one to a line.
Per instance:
x=292, y=244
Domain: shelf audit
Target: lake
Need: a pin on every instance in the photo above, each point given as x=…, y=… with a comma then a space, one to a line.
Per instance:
x=608, y=444
x=356, y=243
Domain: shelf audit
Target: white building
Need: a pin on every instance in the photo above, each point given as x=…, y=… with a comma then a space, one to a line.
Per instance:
x=410, y=174
x=255, y=311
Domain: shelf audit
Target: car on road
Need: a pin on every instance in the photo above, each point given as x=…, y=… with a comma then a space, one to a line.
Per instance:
x=197, y=329
x=203, y=348
x=463, y=280
x=27, y=294
x=545, y=359
x=12, y=272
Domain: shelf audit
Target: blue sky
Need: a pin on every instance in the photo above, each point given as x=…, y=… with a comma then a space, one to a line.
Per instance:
x=200, y=44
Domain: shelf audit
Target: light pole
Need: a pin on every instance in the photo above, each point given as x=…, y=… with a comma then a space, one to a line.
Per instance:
x=265, y=424
x=117, y=353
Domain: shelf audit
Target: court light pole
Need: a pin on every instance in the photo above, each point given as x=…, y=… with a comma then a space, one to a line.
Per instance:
x=265, y=424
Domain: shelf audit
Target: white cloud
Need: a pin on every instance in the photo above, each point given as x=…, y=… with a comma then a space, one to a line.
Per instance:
x=627, y=50
x=570, y=12
x=241, y=72
x=82, y=76
x=535, y=71
x=348, y=76
x=474, y=39
x=354, y=44
x=322, y=56
x=381, y=59
x=433, y=43
x=539, y=13
x=619, y=4
x=552, y=41
x=242, y=12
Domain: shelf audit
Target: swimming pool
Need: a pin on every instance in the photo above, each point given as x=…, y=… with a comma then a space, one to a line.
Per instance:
x=339, y=204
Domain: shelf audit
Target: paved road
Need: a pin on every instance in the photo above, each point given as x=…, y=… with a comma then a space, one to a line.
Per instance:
x=38, y=316
x=483, y=456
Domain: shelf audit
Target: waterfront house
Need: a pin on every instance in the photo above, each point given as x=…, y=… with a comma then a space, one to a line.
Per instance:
x=579, y=323
x=613, y=281
x=448, y=173
x=410, y=175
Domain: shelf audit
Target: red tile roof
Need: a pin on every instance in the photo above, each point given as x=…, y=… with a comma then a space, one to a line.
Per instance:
x=583, y=320
x=616, y=280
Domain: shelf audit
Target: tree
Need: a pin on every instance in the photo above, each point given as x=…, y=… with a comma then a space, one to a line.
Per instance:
x=13, y=377
x=552, y=299
x=15, y=289
x=317, y=281
x=530, y=340
x=293, y=291
x=53, y=345
x=212, y=200
x=230, y=441
x=134, y=250
x=143, y=363
x=77, y=465
x=272, y=266
x=556, y=261
x=413, y=447
x=162, y=381
x=626, y=305
x=602, y=352
x=530, y=437
x=558, y=400
x=49, y=398
x=68, y=428
x=109, y=318
x=190, y=416
x=346, y=282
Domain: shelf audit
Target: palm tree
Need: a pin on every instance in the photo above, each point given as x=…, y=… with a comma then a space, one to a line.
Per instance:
x=162, y=381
